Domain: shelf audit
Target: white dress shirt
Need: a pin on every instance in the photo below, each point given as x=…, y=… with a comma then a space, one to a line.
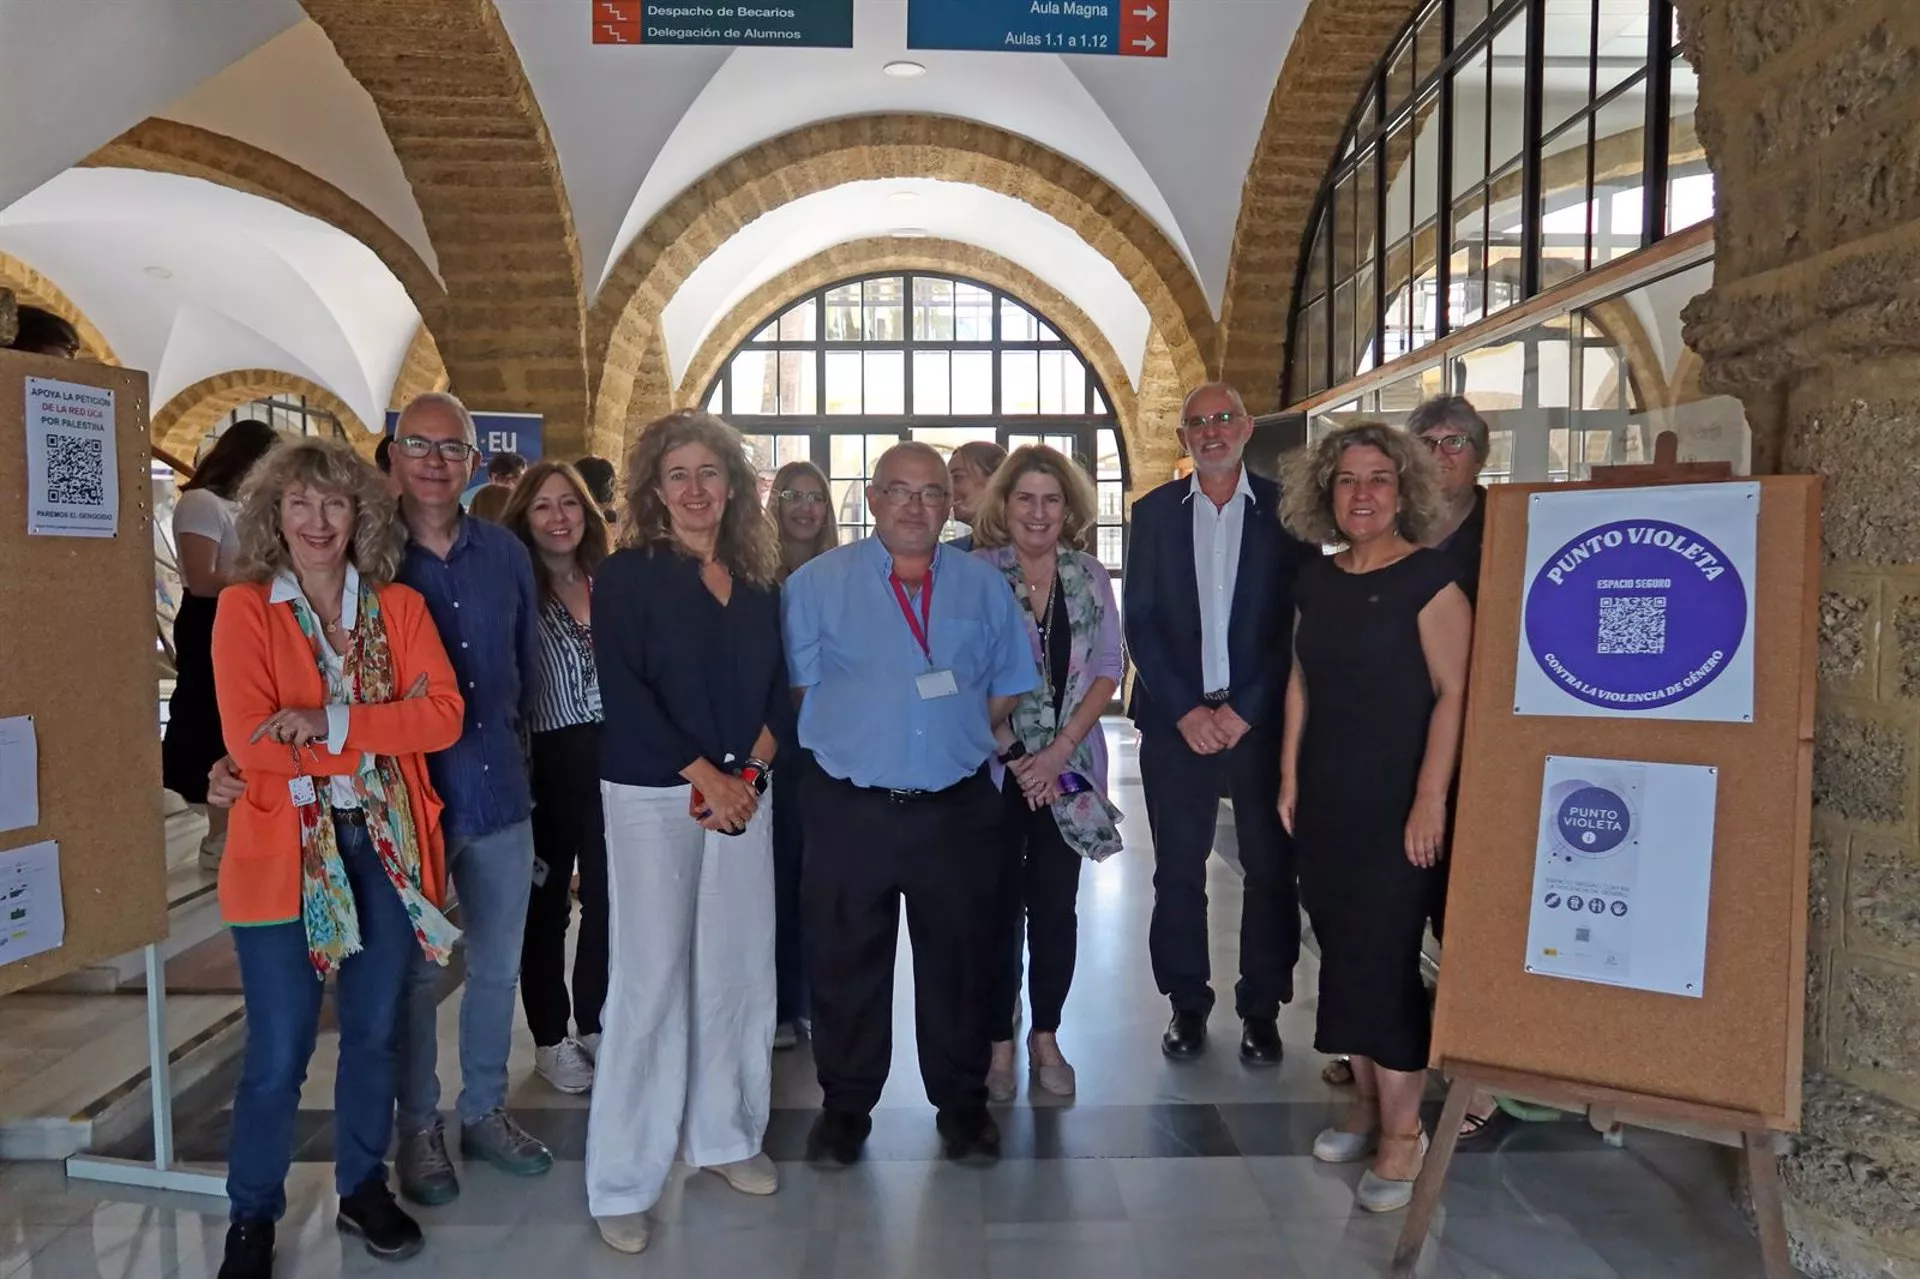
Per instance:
x=1216, y=567
x=286, y=588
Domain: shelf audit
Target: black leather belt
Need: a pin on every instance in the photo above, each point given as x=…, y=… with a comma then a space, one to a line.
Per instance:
x=894, y=796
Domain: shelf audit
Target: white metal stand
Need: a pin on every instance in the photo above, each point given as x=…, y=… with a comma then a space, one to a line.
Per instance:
x=162, y=1173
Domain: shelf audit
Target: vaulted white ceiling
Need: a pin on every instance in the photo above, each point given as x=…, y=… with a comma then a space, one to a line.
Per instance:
x=633, y=127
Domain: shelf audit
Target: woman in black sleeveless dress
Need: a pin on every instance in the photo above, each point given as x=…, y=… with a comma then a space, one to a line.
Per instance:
x=1374, y=710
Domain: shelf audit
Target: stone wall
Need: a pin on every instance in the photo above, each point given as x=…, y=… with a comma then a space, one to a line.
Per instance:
x=1810, y=113
x=9, y=317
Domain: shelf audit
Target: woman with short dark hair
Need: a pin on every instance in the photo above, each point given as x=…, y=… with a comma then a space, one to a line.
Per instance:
x=1372, y=734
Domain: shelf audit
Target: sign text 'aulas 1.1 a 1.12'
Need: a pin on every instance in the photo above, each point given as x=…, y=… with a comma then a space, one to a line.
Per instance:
x=1117, y=28
x=795, y=24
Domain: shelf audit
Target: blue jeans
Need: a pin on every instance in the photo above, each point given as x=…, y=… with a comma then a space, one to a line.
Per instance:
x=492, y=877
x=282, y=995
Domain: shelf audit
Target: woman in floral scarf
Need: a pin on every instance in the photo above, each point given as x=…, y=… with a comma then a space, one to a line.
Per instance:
x=332, y=685
x=1034, y=525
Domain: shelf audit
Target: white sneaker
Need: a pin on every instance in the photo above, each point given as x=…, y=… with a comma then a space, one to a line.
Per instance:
x=590, y=1045
x=627, y=1234
x=566, y=1065
x=755, y=1175
x=786, y=1035
x=212, y=849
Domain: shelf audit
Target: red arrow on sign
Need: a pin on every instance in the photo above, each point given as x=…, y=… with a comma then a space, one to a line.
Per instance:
x=1143, y=28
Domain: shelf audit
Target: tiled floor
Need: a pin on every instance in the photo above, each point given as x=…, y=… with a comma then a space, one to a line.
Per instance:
x=1159, y=1171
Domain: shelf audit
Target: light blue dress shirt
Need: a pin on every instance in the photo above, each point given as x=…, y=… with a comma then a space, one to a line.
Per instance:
x=850, y=647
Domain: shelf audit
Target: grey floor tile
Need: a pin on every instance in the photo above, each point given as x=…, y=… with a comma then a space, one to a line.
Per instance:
x=1672, y=1246
x=1220, y=1249
x=1075, y=1250
x=1301, y=1188
x=20, y=1241
x=1189, y=1190
x=1513, y=1247
x=1360, y=1247
x=1057, y=1190
x=930, y=1252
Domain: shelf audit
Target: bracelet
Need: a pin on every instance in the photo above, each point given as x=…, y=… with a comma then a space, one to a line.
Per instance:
x=757, y=775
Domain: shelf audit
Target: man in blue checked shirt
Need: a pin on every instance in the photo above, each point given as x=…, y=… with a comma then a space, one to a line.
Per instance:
x=478, y=584
x=906, y=655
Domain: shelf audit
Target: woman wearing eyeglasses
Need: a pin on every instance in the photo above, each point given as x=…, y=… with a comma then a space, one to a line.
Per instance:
x=799, y=507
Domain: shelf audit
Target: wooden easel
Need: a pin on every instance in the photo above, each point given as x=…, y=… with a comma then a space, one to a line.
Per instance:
x=1712, y=1123
x=1606, y=1107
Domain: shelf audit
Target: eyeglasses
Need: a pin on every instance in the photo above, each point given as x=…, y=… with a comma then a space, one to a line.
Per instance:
x=901, y=495
x=800, y=497
x=419, y=446
x=1449, y=444
x=1225, y=417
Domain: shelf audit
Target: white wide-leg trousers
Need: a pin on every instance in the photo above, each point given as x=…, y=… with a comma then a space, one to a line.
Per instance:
x=686, y=1055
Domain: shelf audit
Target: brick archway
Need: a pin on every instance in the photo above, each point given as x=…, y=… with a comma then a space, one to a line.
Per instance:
x=862, y=257
x=30, y=288
x=834, y=152
x=179, y=425
x=1333, y=52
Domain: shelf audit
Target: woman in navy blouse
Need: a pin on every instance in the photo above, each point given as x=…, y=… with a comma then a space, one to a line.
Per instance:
x=693, y=683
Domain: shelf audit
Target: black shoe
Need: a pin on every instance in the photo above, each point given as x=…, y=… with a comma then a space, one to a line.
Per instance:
x=969, y=1134
x=1186, y=1036
x=371, y=1213
x=837, y=1138
x=249, y=1251
x=1260, y=1042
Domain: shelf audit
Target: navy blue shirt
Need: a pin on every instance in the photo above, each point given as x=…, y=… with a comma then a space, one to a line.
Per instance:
x=850, y=647
x=683, y=677
x=483, y=601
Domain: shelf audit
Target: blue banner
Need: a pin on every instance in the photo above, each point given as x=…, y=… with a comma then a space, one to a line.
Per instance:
x=1115, y=28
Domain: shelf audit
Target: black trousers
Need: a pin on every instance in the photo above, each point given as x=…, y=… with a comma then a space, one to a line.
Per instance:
x=1183, y=805
x=1038, y=887
x=865, y=852
x=789, y=847
x=568, y=833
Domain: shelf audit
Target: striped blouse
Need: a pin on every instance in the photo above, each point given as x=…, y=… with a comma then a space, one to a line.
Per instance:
x=566, y=687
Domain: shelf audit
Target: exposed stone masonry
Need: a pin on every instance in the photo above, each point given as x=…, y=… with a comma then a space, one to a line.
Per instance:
x=1810, y=111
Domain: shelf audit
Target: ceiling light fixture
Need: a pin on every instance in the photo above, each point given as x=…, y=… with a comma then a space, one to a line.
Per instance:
x=904, y=70
x=159, y=272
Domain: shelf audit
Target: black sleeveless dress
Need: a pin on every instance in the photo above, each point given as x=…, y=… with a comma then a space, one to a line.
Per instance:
x=1369, y=701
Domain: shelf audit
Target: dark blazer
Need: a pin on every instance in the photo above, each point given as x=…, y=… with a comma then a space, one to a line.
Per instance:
x=1162, y=608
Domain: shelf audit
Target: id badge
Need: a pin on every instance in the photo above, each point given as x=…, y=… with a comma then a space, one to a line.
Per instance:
x=301, y=790
x=539, y=873
x=936, y=684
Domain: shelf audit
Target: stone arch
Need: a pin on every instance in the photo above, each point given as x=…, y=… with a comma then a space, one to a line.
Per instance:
x=180, y=424
x=1337, y=46
x=833, y=152
x=30, y=288
x=883, y=253
x=167, y=146
x=421, y=371
x=470, y=136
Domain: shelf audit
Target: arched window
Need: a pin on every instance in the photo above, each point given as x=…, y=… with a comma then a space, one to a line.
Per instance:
x=1501, y=148
x=843, y=374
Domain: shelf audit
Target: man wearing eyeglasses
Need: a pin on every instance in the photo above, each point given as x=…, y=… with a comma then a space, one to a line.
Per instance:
x=906, y=654
x=479, y=588
x=1209, y=619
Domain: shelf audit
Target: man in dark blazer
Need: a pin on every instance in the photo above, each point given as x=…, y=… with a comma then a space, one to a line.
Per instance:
x=1209, y=622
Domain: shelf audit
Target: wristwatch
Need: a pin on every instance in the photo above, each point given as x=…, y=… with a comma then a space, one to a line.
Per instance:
x=757, y=773
x=1016, y=751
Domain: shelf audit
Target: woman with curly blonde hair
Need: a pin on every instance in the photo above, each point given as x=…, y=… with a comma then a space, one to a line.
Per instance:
x=693, y=683
x=1374, y=710
x=333, y=686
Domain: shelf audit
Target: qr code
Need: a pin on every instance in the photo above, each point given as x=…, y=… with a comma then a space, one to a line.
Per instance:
x=1583, y=934
x=76, y=471
x=1633, y=624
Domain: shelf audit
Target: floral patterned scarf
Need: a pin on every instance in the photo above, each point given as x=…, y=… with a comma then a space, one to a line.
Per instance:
x=1088, y=821
x=326, y=895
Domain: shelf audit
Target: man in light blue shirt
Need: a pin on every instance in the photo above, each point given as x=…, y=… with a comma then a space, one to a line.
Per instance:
x=906, y=654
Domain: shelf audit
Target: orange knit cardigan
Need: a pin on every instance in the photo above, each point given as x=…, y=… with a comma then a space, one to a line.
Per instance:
x=262, y=663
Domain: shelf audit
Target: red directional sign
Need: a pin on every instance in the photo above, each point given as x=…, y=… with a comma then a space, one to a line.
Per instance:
x=1143, y=28
x=616, y=21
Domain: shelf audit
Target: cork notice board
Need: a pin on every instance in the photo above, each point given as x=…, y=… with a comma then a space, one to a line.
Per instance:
x=77, y=654
x=1738, y=1047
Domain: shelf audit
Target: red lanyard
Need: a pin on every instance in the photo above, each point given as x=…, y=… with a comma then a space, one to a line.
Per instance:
x=923, y=624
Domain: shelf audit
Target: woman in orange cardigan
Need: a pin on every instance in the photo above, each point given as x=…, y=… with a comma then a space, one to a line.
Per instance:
x=332, y=683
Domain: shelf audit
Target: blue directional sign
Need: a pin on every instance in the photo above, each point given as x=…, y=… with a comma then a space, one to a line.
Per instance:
x=1118, y=28
x=793, y=24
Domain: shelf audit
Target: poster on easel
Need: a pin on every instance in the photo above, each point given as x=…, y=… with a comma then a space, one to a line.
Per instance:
x=1640, y=603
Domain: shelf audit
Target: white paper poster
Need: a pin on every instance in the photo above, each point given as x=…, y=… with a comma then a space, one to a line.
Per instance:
x=1623, y=869
x=32, y=918
x=19, y=774
x=1639, y=603
x=73, y=469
